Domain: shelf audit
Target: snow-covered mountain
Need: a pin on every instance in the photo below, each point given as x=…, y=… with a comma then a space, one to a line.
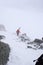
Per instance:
x=20, y=54
x=27, y=14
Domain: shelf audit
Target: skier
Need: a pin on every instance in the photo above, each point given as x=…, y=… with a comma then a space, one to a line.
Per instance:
x=39, y=61
x=18, y=31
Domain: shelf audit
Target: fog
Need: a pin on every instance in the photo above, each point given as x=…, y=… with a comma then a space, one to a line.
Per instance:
x=22, y=3
x=27, y=14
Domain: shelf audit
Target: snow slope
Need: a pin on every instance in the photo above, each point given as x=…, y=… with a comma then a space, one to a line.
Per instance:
x=20, y=54
x=14, y=14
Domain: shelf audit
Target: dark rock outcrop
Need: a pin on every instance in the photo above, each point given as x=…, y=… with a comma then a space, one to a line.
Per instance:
x=24, y=37
x=38, y=41
x=4, y=53
x=36, y=44
x=42, y=38
x=2, y=37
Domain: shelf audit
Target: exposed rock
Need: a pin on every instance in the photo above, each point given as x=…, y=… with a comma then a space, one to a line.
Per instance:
x=36, y=44
x=4, y=53
x=41, y=46
x=29, y=47
x=38, y=41
x=2, y=37
x=42, y=38
x=24, y=37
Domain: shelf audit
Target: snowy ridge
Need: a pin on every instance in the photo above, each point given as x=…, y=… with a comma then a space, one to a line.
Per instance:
x=20, y=54
x=36, y=44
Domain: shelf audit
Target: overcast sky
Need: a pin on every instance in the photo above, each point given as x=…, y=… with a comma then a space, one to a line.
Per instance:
x=27, y=14
x=23, y=4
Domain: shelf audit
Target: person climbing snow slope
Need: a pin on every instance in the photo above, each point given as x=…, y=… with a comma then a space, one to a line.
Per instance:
x=18, y=31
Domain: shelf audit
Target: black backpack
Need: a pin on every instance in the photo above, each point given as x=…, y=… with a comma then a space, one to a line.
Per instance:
x=39, y=61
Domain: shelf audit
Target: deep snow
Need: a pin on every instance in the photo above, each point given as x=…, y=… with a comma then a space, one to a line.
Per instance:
x=20, y=54
x=27, y=14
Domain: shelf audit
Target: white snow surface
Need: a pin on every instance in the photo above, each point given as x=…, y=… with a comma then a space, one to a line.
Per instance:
x=20, y=54
x=27, y=14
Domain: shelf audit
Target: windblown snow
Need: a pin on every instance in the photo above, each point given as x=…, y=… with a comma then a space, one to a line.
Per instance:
x=20, y=54
x=27, y=14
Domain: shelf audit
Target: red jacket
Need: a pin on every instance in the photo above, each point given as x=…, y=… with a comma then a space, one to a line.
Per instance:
x=18, y=31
